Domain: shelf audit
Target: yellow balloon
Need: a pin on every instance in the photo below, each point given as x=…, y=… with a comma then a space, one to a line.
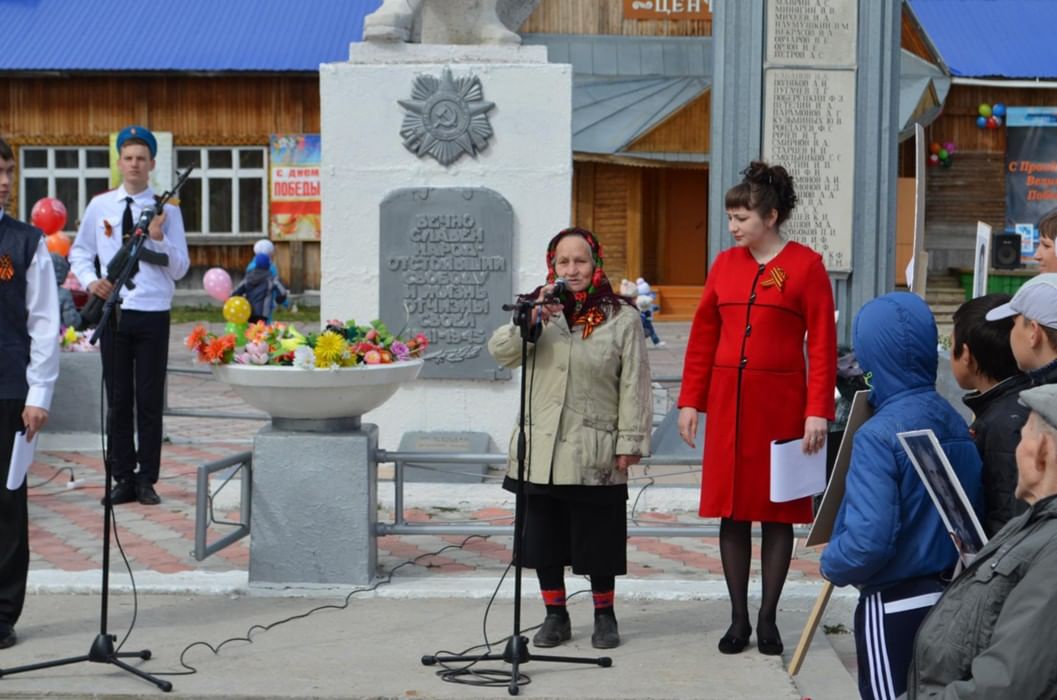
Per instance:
x=236, y=310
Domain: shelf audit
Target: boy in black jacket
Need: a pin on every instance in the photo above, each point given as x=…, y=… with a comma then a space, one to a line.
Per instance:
x=982, y=360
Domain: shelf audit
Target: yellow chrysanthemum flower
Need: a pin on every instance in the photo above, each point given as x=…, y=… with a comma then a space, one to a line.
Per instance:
x=329, y=348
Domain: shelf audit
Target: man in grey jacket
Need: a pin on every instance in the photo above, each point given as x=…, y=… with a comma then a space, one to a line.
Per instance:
x=993, y=634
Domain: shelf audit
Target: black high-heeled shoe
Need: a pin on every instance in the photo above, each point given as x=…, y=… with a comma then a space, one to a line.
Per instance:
x=731, y=643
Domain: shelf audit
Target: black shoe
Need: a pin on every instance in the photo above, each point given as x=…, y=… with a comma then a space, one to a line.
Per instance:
x=769, y=642
x=146, y=494
x=554, y=630
x=732, y=643
x=606, y=635
x=8, y=638
x=123, y=492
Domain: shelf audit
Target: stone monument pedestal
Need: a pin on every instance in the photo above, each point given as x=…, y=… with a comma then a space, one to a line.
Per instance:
x=439, y=251
x=314, y=512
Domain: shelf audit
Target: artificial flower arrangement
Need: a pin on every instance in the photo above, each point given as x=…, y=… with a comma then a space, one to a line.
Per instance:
x=337, y=345
x=73, y=340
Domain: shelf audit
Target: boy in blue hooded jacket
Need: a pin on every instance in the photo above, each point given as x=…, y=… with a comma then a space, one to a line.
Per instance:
x=888, y=539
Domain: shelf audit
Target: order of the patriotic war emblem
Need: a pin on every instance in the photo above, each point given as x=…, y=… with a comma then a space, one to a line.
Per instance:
x=446, y=117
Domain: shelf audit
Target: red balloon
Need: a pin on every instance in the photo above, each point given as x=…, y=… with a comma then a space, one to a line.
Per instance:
x=933, y=159
x=992, y=123
x=58, y=243
x=49, y=215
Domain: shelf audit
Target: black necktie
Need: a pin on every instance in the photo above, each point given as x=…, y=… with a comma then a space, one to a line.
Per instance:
x=126, y=220
x=127, y=228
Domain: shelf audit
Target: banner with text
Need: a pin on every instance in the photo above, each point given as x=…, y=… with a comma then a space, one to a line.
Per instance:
x=1031, y=172
x=294, y=202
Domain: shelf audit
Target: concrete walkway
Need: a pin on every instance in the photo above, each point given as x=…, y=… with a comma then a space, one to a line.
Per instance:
x=672, y=605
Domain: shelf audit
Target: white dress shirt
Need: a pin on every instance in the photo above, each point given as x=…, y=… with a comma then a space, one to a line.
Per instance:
x=100, y=234
x=42, y=322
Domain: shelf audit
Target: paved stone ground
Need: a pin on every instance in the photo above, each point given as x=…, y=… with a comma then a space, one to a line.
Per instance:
x=66, y=524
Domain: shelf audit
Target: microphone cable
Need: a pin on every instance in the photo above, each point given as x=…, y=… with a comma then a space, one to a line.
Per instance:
x=265, y=627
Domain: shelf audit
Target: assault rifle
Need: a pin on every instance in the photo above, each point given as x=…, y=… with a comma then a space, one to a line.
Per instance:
x=129, y=256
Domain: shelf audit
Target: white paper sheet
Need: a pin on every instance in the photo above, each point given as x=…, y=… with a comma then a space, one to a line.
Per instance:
x=795, y=474
x=21, y=458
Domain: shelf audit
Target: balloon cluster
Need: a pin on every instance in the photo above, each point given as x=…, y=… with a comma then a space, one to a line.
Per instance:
x=941, y=155
x=49, y=215
x=217, y=284
x=990, y=117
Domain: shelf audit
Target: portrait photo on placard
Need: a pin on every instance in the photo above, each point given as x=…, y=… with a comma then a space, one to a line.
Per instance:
x=944, y=488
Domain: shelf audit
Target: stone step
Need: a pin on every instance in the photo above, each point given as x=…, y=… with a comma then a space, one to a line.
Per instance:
x=943, y=282
x=945, y=296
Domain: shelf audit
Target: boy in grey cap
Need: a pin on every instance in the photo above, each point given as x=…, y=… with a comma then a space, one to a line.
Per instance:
x=1033, y=338
x=993, y=634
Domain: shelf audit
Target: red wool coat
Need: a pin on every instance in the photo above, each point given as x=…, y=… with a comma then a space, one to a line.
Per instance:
x=745, y=368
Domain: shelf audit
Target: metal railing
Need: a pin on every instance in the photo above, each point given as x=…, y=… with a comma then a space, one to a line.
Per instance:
x=400, y=526
x=204, y=515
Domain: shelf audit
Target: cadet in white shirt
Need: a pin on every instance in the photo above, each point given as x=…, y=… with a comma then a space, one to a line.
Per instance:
x=135, y=357
x=29, y=366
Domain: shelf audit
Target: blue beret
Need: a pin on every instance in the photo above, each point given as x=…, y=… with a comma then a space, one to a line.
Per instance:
x=138, y=132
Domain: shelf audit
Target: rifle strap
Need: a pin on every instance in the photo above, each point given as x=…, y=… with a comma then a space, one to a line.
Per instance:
x=153, y=257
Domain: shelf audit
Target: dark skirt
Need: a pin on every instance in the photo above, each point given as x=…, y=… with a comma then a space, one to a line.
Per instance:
x=585, y=527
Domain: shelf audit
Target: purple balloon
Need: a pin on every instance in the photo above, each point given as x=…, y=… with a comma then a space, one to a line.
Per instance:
x=949, y=146
x=217, y=283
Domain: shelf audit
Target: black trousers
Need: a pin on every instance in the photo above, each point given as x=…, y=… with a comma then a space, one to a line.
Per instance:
x=134, y=363
x=14, y=522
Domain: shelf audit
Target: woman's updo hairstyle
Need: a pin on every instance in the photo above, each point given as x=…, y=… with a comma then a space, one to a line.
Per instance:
x=763, y=188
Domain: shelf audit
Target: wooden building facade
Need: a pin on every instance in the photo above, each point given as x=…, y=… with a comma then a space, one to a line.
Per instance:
x=230, y=118
x=973, y=188
x=647, y=200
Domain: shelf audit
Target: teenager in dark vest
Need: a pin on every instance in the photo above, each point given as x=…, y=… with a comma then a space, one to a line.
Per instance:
x=135, y=357
x=29, y=365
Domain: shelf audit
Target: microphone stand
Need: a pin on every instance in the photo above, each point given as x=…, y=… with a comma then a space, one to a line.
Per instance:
x=516, y=651
x=102, y=649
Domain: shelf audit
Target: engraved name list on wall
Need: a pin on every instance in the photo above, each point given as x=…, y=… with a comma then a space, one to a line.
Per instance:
x=809, y=118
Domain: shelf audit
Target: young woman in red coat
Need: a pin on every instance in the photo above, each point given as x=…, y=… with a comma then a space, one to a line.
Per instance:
x=745, y=368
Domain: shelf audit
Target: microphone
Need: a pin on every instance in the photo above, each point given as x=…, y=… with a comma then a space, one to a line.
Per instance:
x=560, y=287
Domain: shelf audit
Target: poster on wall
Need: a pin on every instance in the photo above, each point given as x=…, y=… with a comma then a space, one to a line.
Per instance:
x=1031, y=173
x=161, y=178
x=294, y=202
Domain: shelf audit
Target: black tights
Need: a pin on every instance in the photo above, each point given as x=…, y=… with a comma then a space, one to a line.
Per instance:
x=735, y=548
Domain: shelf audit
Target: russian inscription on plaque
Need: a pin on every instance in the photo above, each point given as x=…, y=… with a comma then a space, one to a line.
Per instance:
x=809, y=127
x=809, y=118
x=811, y=32
x=445, y=271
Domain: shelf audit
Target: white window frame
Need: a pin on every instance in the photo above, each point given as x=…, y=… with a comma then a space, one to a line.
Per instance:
x=49, y=172
x=203, y=174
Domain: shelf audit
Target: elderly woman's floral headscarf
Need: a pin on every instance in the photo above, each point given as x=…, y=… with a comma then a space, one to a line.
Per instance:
x=593, y=305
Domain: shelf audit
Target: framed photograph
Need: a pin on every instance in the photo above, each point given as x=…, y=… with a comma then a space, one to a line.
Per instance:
x=945, y=490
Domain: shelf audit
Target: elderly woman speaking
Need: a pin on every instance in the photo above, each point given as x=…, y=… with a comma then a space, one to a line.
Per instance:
x=587, y=421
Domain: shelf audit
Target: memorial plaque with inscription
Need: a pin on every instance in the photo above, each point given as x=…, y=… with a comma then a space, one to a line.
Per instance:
x=809, y=127
x=445, y=271
x=811, y=32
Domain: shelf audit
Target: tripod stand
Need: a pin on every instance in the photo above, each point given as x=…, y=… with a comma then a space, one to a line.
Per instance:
x=516, y=651
x=102, y=649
